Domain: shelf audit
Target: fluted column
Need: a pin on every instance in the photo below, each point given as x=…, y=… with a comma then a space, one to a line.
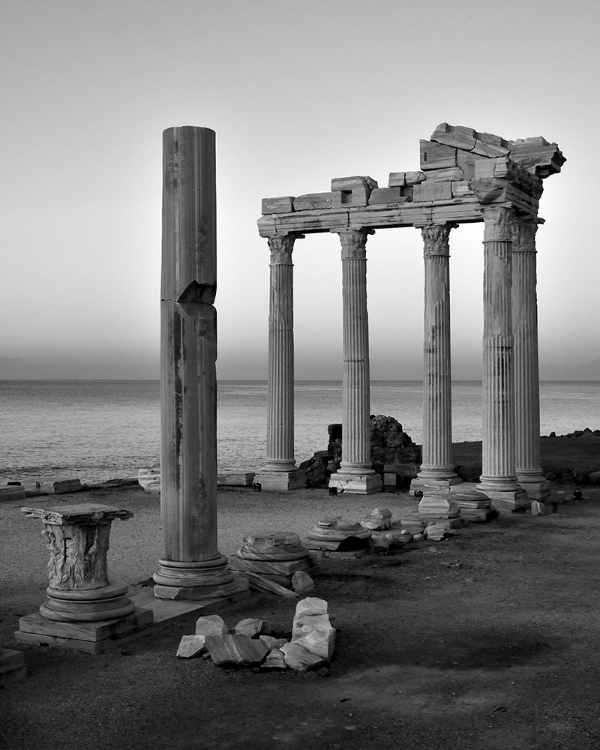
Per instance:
x=498, y=479
x=527, y=383
x=280, y=471
x=437, y=465
x=356, y=474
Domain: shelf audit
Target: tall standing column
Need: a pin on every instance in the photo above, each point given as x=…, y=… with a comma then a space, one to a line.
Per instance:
x=356, y=474
x=527, y=381
x=280, y=472
x=437, y=467
x=191, y=566
x=498, y=480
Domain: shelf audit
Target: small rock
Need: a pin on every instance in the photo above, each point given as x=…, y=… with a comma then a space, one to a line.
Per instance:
x=275, y=659
x=252, y=627
x=191, y=646
x=211, y=625
x=311, y=606
x=305, y=623
x=378, y=519
x=302, y=582
x=272, y=642
x=300, y=658
x=319, y=642
x=418, y=537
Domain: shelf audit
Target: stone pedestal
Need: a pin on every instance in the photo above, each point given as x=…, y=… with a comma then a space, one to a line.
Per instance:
x=437, y=467
x=84, y=610
x=280, y=472
x=527, y=383
x=498, y=480
x=281, y=481
x=355, y=475
x=78, y=539
x=191, y=566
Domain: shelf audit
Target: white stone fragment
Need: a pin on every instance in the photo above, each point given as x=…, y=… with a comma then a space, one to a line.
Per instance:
x=251, y=627
x=300, y=658
x=302, y=582
x=211, y=625
x=191, y=646
x=311, y=606
x=319, y=642
x=273, y=642
x=275, y=659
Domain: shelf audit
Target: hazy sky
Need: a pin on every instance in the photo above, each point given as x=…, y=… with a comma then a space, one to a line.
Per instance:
x=298, y=93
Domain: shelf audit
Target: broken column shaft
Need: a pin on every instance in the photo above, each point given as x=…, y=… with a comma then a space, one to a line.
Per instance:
x=191, y=566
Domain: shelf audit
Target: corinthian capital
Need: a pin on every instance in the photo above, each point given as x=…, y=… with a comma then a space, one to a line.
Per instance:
x=281, y=249
x=435, y=239
x=354, y=243
x=523, y=235
x=498, y=221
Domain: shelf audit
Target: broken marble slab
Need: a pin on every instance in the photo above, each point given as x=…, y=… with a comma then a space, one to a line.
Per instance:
x=191, y=646
x=235, y=650
x=251, y=627
x=273, y=642
x=260, y=583
x=275, y=659
x=299, y=658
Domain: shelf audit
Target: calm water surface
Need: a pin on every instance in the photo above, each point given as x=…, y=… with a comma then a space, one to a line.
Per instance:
x=103, y=429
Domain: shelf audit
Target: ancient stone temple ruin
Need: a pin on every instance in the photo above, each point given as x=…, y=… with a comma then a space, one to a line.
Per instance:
x=465, y=177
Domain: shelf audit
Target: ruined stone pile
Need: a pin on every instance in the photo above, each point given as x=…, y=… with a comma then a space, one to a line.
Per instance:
x=253, y=644
x=392, y=452
x=276, y=558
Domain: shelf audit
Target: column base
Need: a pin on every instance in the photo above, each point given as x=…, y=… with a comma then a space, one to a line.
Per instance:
x=87, y=605
x=238, y=585
x=355, y=484
x=535, y=485
x=197, y=581
x=421, y=484
x=438, y=504
x=510, y=500
x=281, y=481
x=93, y=637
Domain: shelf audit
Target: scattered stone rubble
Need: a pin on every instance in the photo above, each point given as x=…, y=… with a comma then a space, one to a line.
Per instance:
x=273, y=561
x=252, y=644
x=20, y=489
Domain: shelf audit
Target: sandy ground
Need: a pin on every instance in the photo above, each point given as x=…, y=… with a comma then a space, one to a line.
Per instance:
x=486, y=640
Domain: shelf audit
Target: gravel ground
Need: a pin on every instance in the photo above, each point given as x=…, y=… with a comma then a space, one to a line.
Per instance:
x=486, y=640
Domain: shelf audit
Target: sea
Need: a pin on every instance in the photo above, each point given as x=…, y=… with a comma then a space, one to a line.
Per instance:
x=105, y=429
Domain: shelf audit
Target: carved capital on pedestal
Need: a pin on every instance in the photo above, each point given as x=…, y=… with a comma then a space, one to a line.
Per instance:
x=436, y=239
x=354, y=242
x=281, y=249
x=523, y=235
x=498, y=222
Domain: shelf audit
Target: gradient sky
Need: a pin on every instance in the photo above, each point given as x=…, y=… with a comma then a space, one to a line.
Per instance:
x=298, y=93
